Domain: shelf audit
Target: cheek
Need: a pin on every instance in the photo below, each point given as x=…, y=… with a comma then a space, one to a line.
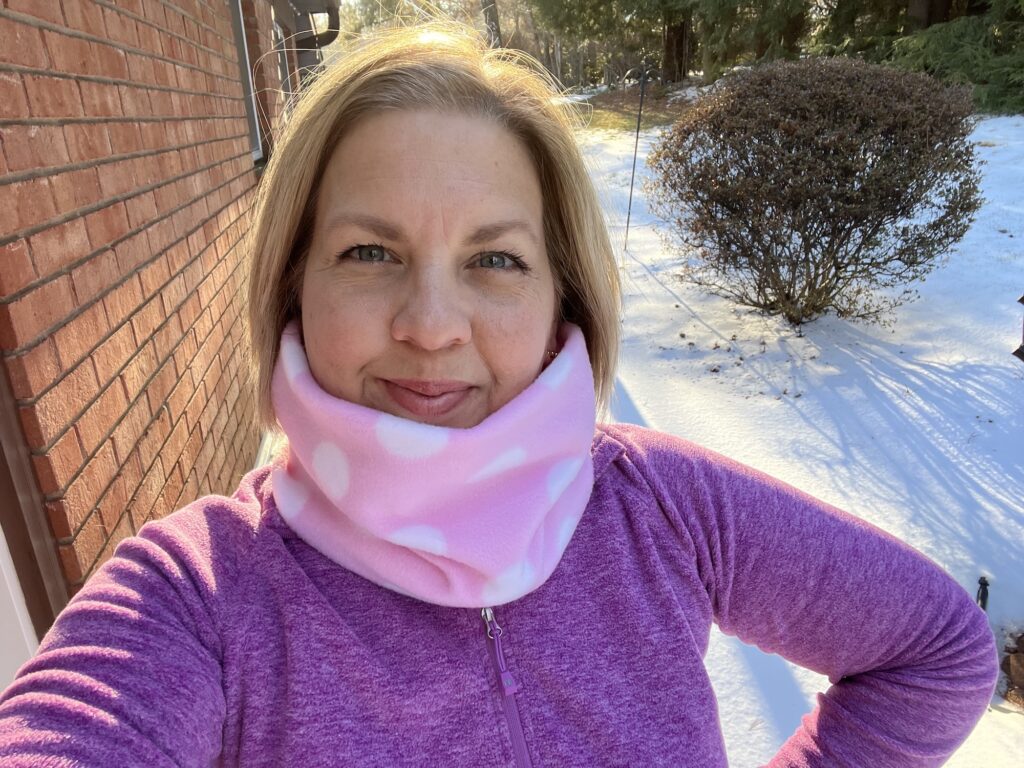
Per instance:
x=338, y=341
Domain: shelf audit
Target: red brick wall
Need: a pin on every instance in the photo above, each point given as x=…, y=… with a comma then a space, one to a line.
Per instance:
x=259, y=36
x=125, y=178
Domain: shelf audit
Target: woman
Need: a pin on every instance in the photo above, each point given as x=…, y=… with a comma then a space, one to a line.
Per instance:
x=451, y=564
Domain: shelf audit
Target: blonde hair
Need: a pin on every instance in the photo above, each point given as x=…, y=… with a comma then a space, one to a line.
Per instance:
x=447, y=67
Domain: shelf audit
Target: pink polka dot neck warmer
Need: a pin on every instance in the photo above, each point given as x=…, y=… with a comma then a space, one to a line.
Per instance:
x=457, y=517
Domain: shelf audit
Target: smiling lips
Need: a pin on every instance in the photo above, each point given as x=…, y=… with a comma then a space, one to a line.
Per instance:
x=427, y=399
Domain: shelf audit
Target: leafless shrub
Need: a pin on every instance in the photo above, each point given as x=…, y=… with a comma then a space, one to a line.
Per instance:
x=808, y=186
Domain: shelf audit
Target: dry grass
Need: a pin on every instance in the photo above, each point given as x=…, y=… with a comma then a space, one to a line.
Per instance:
x=616, y=110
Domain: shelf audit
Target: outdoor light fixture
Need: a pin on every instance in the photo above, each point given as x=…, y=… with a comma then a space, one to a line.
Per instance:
x=1019, y=351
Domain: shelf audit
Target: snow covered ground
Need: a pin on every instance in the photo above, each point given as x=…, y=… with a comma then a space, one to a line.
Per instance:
x=918, y=428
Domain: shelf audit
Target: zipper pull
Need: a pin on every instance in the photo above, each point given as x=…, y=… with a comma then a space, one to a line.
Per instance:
x=508, y=682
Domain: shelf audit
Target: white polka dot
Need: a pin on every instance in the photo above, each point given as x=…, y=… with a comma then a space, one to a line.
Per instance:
x=561, y=476
x=330, y=468
x=506, y=461
x=293, y=358
x=410, y=439
x=510, y=584
x=565, y=531
x=556, y=373
x=289, y=494
x=425, y=538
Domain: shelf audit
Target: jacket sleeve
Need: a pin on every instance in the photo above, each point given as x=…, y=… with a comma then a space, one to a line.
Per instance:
x=130, y=672
x=910, y=657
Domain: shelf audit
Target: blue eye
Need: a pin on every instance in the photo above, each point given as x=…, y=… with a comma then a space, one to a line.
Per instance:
x=369, y=253
x=495, y=261
x=501, y=260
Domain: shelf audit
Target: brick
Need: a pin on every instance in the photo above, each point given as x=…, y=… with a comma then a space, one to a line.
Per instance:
x=101, y=417
x=121, y=28
x=140, y=69
x=130, y=429
x=76, y=189
x=99, y=99
x=111, y=62
x=131, y=475
x=41, y=9
x=135, y=101
x=55, y=248
x=58, y=518
x=22, y=45
x=123, y=531
x=140, y=368
x=16, y=267
x=145, y=169
x=162, y=104
x=116, y=178
x=160, y=387
x=55, y=469
x=85, y=16
x=149, y=488
x=179, y=398
x=154, y=13
x=122, y=301
x=77, y=337
x=133, y=251
x=150, y=39
x=163, y=74
x=141, y=209
x=152, y=439
x=153, y=277
x=125, y=137
x=13, y=101
x=114, y=353
x=95, y=276
x=113, y=504
x=25, y=204
x=148, y=318
x=87, y=141
x=28, y=147
x=77, y=557
x=33, y=370
x=53, y=96
x=55, y=411
x=70, y=54
x=167, y=337
x=82, y=495
x=27, y=318
x=168, y=500
x=107, y=225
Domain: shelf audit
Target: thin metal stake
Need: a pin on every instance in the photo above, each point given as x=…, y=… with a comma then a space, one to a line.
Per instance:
x=636, y=144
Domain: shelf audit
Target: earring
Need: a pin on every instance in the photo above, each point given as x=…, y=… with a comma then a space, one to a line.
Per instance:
x=551, y=355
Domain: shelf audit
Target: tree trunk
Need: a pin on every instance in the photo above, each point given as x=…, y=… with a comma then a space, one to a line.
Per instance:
x=677, y=53
x=921, y=14
x=490, y=11
x=917, y=14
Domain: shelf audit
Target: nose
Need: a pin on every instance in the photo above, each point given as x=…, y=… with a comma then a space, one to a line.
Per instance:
x=433, y=314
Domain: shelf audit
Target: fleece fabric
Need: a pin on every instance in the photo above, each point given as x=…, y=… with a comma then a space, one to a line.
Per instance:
x=465, y=518
x=217, y=636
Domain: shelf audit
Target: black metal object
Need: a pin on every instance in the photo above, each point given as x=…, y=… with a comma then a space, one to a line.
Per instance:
x=636, y=145
x=1019, y=351
x=982, y=596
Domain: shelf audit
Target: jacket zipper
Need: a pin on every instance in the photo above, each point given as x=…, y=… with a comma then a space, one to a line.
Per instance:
x=509, y=687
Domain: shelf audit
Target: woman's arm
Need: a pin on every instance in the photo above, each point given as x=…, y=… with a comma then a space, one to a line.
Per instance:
x=911, y=658
x=130, y=673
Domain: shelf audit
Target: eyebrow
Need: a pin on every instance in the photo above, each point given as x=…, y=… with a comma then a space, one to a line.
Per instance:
x=384, y=228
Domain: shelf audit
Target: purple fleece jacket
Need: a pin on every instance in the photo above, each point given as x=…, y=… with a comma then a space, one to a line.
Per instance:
x=217, y=637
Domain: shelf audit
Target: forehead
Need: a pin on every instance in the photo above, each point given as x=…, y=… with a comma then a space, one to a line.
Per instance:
x=424, y=162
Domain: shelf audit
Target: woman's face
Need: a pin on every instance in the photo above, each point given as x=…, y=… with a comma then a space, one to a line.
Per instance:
x=427, y=292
